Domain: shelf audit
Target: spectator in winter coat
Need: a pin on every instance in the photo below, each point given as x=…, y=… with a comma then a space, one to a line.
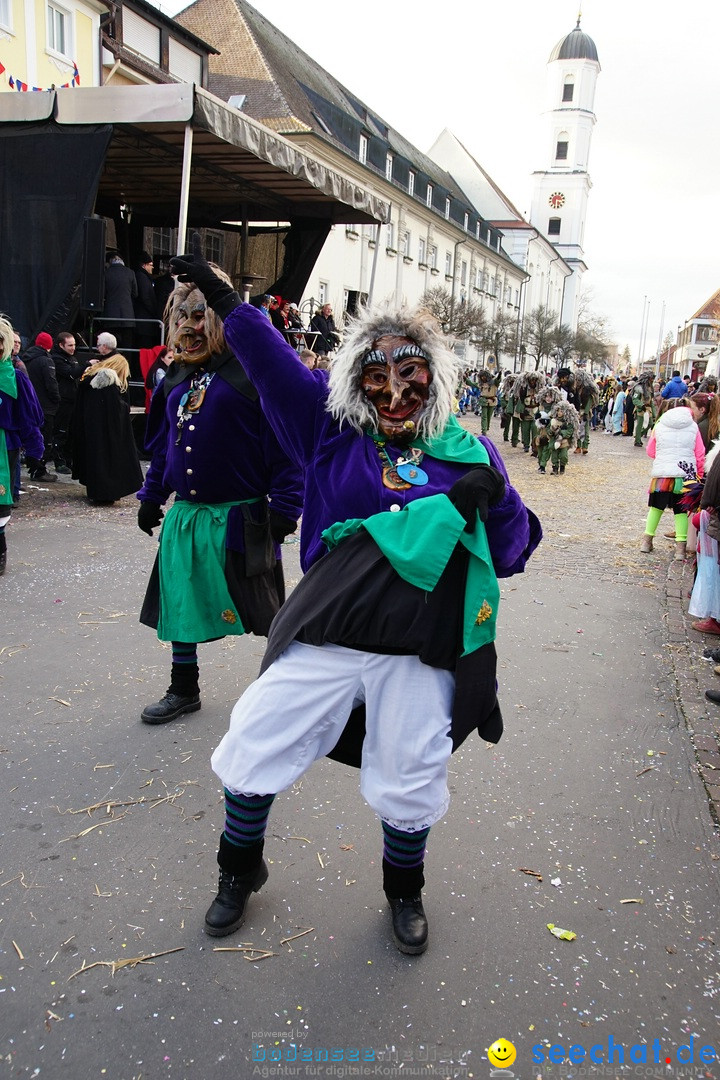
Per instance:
x=120, y=292
x=677, y=387
x=328, y=339
x=68, y=370
x=145, y=305
x=41, y=370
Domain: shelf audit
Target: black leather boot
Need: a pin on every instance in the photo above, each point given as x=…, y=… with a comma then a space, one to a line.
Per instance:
x=410, y=926
x=403, y=892
x=170, y=707
x=227, y=911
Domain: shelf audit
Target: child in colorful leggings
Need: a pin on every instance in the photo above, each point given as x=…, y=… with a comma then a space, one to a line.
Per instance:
x=679, y=455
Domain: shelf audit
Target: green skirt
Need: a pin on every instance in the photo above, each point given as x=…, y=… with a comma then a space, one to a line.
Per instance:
x=191, y=564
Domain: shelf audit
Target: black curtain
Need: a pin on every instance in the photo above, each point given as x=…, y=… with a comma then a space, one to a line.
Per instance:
x=49, y=175
x=303, y=243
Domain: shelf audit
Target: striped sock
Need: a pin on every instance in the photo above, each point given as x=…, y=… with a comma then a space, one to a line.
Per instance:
x=246, y=818
x=185, y=673
x=405, y=850
x=184, y=652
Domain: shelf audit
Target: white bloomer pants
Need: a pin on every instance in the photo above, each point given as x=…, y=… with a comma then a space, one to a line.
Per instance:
x=295, y=712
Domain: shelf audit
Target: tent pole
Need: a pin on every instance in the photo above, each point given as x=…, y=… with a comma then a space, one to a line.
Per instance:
x=185, y=189
x=374, y=263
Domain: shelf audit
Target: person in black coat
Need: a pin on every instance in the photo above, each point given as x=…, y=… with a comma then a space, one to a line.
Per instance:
x=104, y=456
x=68, y=370
x=120, y=292
x=146, y=305
x=41, y=370
x=328, y=337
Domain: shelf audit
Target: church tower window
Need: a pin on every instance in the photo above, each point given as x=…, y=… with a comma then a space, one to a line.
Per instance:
x=561, y=150
x=554, y=226
x=568, y=89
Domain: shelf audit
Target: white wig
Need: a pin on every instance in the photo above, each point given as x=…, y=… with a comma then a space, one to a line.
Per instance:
x=346, y=400
x=7, y=338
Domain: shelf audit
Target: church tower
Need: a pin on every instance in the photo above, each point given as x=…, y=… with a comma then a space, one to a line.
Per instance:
x=561, y=190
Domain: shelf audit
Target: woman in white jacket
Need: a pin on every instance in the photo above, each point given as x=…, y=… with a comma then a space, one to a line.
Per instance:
x=679, y=455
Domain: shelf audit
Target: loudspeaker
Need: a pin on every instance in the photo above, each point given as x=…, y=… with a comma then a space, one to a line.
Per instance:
x=92, y=281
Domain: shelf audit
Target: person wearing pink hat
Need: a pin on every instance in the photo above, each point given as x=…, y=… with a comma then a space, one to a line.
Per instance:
x=41, y=370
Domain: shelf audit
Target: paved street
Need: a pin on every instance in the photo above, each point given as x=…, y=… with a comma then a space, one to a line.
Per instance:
x=595, y=813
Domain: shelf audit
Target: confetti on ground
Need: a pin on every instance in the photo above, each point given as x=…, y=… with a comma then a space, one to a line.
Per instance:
x=558, y=932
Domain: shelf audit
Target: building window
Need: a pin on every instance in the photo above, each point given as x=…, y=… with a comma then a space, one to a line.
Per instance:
x=466, y=221
x=214, y=247
x=421, y=249
x=411, y=183
x=447, y=208
x=561, y=150
x=429, y=195
x=405, y=242
x=486, y=281
x=432, y=256
x=448, y=264
x=58, y=30
x=388, y=166
x=568, y=89
x=322, y=293
x=554, y=226
x=5, y=14
x=477, y=231
x=363, y=149
x=390, y=235
x=141, y=36
x=478, y=278
x=463, y=272
x=183, y=63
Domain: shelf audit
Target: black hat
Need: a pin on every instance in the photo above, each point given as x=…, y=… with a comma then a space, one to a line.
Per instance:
x=145, y=257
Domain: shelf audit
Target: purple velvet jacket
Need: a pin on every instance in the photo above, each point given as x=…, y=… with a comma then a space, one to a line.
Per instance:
x=343, y=471
x=22, y=418
x=227, y=453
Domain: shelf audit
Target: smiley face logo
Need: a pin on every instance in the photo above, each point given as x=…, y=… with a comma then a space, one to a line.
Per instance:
x=501, y=1054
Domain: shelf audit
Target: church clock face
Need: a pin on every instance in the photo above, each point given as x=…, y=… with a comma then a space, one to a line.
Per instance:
x=556, y=200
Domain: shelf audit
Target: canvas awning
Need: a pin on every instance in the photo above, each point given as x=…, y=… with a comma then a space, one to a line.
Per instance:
x=237, y=169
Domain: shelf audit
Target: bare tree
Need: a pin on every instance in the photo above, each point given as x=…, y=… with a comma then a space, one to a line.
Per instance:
x=499, y=335
x=458, y=320
x=538, y=334
x=562, y=343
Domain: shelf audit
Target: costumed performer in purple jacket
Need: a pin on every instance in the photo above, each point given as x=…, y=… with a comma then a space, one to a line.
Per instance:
x=21, y=421
x=408, y=521
x=237, y=496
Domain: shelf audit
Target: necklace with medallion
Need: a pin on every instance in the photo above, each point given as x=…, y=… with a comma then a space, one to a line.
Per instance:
x=403, y=474
x=192, y=399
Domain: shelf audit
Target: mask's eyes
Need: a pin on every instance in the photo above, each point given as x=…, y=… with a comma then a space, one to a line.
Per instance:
x=411, y=369
x=375, y=375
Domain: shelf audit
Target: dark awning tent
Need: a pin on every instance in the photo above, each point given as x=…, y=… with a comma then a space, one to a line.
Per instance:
x=171, y=155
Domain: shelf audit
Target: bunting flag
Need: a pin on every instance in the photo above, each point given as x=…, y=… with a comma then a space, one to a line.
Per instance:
x=17, y=84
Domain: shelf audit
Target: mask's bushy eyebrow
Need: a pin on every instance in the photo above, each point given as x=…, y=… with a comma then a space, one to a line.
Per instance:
x=373, y=356
x=403, y=351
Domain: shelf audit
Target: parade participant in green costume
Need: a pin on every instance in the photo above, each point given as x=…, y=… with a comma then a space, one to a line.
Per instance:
x=488, y=385
x=564, y=424
x=506, y=401
x=643, y=402
x=550, y=396
x=526, y=398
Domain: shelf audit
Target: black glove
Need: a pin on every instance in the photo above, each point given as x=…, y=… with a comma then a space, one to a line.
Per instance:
x=149, y=517
x=280, y=526
x=477, y=490
x=220, y=296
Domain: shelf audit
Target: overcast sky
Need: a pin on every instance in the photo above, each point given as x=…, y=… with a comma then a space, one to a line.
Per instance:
x=653, y=225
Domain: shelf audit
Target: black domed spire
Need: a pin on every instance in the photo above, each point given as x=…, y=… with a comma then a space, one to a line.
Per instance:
x=575, y=46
